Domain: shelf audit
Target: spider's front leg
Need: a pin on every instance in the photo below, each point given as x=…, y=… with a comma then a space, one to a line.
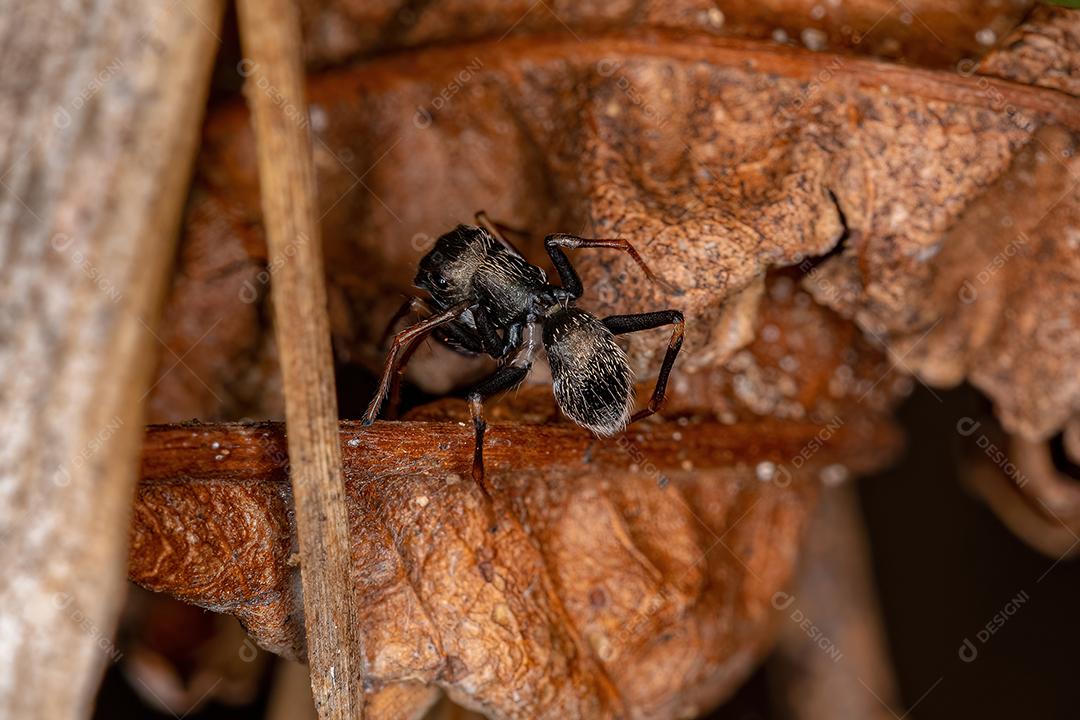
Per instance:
x=622, y=324
x=571, y=282
x=457, y=336
x=402, y=341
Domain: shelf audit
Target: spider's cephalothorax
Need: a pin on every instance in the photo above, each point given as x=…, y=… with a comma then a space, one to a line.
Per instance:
x=468, y=263
x=487, y=298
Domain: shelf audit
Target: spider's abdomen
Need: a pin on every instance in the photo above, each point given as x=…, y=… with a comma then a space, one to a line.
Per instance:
x=591, y=377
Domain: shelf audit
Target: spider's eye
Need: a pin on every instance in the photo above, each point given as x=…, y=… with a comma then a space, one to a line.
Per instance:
x=438, y=281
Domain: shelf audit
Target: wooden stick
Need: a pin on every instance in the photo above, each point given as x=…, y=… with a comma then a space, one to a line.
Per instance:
x=100, y=111
x=270, y=38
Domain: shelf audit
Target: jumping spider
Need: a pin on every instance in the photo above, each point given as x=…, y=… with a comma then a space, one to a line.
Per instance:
x=487, y=298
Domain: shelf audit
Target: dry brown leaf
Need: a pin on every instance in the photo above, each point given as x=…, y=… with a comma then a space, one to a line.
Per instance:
x=630, y=577
x=994, y=300
x=1044, y=50
x=637, y=582
x=719, y=159
x=722, y=160
x=925, y=32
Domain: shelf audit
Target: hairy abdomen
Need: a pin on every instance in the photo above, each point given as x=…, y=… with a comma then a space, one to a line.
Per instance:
x=591, y=376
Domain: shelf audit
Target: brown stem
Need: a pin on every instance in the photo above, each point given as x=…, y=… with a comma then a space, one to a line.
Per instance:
x=270, y=34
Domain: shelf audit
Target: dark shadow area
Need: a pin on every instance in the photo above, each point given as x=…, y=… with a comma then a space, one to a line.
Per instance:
x=945, y=567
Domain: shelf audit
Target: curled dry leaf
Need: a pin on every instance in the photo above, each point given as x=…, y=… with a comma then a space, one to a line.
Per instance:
x=634, y=574
x=997, y=305
x=1042, y=51
x=629, y=577
x=722, y=160
x=991, y=297
x=719, y=159
x=1032, y=486
x=924, y=32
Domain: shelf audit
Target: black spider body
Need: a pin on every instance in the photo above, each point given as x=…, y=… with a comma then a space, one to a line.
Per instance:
x=487, y=298
x=468, y=263
x=590, y=373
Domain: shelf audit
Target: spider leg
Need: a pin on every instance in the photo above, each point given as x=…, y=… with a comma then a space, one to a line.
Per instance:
x=401, y=343
x=450, y=335
x=498, y=229
x=393, y=400
x=410, y=305
x=555, y=243
x=493, y=344
x=513, y=340
x=506, y=377
x=622, y=324
x=457, y=336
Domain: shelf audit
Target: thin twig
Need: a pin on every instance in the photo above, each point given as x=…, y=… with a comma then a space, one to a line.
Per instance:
x=270, y=36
